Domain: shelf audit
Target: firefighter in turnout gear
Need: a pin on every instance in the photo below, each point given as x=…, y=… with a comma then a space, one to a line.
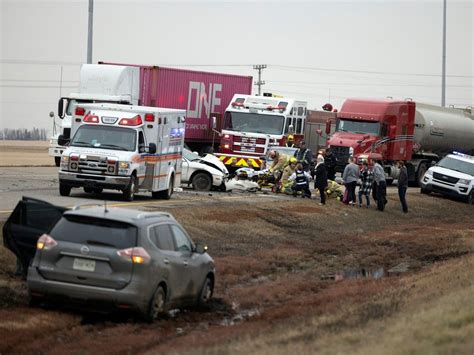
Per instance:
x=286, y=184
x=301, y=179
x=290, y=141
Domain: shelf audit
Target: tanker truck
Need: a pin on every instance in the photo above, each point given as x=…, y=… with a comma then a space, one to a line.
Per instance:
x=389, y=130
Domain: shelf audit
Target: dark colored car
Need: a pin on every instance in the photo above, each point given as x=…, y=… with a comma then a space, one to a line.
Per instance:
x=109, y=258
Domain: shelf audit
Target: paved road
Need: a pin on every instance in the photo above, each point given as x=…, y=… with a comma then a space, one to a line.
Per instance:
x=42, y=183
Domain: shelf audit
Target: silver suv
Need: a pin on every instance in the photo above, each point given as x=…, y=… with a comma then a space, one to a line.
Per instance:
x=113, y=258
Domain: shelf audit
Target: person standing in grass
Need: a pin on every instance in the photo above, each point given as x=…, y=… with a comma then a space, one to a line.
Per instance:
x=381, y=185
x=402, y=185
x=367, y=179
x=321, y=179
x=350, y=176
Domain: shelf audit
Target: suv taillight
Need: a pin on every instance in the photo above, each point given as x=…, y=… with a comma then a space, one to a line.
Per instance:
x=45, y=242
x=136, y=255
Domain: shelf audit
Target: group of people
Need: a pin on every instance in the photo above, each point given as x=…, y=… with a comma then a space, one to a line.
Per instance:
x=373, y=179
x=295, y=173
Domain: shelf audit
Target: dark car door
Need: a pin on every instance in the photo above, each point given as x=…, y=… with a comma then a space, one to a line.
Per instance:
x=29, y=219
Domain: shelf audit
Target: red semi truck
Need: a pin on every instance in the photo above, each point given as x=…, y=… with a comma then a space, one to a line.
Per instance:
x=389, y=130
x=203, y=94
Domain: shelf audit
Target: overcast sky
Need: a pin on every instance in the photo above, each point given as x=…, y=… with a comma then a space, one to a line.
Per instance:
x=318, y=51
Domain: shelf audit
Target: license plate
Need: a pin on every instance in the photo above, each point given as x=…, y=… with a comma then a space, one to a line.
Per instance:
x=83, y=264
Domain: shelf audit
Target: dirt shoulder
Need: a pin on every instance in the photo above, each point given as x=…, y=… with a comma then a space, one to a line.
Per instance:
x=25, y=153
x=292, y=276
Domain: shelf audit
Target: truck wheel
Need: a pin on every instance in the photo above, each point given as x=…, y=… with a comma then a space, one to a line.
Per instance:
x=157, y=305
x=64, y=190
x=129, y=192
x=166, y=194
x=421, y=172
x=57, y=161
x=88, y=190
x=202, y=182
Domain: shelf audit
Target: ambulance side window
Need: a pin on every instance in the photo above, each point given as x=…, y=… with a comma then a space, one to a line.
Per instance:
x=141, y=142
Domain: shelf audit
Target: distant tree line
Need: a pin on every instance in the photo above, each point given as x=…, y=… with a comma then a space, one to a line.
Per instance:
x=23, y=134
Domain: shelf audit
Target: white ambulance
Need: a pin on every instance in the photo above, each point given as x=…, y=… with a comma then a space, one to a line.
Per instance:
x=122, y=147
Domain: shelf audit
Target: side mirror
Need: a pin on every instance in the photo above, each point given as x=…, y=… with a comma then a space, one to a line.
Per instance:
x=214, y=122
x=61, y=107
x=63, y=140
x=201, y=249
x=152, y=148
x=328, y=127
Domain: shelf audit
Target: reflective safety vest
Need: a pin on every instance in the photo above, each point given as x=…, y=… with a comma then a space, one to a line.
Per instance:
x=301, y=178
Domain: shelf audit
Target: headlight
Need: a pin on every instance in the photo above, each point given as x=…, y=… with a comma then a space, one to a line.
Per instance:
x=464, y=181
x=64, y=159
x=124, y=165
x=429, y=173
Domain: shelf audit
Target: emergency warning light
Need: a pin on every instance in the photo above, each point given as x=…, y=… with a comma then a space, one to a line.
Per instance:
x=134, y=121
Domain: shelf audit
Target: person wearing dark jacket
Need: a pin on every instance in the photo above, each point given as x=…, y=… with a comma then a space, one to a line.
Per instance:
x=321, y=179
x=403, y=185
x=330, y=162
x=304, y=156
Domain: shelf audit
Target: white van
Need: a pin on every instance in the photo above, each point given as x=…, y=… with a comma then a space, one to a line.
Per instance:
x=453, y=175
x=122, y=147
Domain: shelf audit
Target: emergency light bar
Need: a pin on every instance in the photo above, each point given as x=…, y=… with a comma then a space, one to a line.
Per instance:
x=80, y=111
x=134, y=121
x=91, y=119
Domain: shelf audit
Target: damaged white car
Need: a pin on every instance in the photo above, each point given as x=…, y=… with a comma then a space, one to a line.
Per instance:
x=203, y=173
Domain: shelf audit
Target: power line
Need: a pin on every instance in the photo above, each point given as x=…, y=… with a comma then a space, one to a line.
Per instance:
x=366, y=71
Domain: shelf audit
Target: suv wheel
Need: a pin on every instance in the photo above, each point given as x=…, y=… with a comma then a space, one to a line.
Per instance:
x=129, y=192
x=470, y=198
x=157, y=305
x=206, y=292
x=64, y=190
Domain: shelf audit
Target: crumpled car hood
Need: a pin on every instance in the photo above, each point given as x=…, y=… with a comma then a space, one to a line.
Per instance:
x=214, y=162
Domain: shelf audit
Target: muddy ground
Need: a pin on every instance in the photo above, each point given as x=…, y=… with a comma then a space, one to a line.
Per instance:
x=292, y=276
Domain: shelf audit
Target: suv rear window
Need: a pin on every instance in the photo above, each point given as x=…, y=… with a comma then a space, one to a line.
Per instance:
x=88, y=230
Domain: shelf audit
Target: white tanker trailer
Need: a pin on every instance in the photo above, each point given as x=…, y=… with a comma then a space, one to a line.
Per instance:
x=389, y=130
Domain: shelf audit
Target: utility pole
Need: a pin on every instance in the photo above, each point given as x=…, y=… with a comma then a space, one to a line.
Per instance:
x=89, y=33
x=443, y=79
x=260, y=82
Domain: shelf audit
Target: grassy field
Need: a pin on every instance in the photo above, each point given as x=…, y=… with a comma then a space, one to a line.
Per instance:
x=25, y=153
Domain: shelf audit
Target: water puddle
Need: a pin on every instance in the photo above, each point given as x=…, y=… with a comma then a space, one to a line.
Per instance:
x=363, y=273
x=356, y=274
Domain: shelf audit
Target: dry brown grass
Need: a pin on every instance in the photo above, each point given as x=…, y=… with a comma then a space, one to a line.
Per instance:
x=25, y=153
x=272, y=261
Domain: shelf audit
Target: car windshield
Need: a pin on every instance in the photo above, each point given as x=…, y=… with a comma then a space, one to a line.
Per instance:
x=458, y=165
x=362, y=127
x=105, y=137
x=253, y=122
x=95, y=231
x=190, y=155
